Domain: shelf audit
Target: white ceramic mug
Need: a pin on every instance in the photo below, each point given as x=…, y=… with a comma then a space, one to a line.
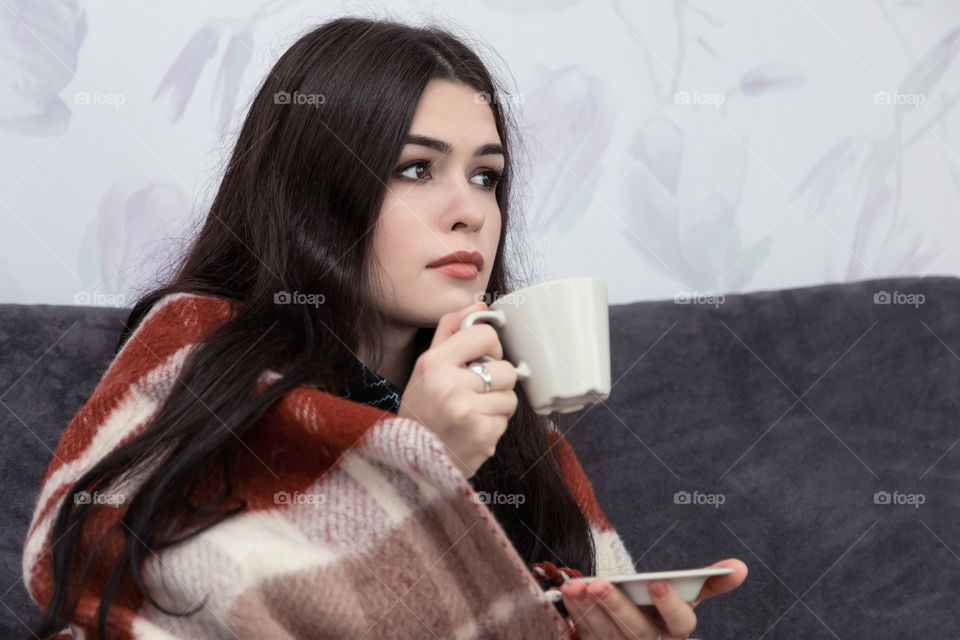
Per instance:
x=557, y=334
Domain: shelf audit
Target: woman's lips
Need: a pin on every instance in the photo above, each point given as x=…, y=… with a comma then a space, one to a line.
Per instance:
x=462, y=270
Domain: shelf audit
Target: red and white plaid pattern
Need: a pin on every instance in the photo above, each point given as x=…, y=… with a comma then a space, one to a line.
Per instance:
x=357, y=524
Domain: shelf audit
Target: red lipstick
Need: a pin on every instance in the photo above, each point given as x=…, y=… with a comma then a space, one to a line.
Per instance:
x=465, y=265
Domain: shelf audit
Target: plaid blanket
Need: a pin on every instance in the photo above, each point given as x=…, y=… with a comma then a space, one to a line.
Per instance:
x=357, y=524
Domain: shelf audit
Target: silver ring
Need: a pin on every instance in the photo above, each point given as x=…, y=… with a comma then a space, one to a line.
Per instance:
x=481, y=371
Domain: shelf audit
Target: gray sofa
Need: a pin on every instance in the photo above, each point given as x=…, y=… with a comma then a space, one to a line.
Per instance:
x=814, y=433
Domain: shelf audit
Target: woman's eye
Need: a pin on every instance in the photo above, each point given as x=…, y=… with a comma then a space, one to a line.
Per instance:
x=419, y=170
x=492, y=178
x=413, y=171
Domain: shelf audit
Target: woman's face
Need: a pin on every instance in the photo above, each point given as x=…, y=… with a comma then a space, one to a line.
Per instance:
x=439, y=200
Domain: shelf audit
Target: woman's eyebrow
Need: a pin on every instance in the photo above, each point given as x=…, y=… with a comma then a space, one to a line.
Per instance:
x=443, y=147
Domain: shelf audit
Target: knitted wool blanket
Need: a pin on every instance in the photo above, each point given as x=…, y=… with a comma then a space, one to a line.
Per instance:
x=357, y=524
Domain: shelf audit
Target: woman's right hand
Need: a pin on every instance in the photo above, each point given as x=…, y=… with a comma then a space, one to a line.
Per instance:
x=449, y=399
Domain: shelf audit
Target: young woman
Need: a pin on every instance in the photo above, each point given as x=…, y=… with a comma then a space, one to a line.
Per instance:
x=371, y=153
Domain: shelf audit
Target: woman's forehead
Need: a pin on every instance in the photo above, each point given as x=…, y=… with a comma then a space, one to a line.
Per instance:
x=454, y=114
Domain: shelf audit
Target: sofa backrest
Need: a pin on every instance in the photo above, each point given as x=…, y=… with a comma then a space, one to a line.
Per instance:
x=812, y=433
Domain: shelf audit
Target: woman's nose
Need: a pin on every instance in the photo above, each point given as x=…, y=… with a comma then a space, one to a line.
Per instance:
x=468, y=218
x=464, y=210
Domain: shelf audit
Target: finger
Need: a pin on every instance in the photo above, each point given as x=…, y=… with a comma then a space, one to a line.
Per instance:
x=498, y=404
x=577, y=601
x=449, y=323
x=722, y=584
x=678, y=616
x=612, y=614
x=625, y=617
x=502, y=373
x=470, y=345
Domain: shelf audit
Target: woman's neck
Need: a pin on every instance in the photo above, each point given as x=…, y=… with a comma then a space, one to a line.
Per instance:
x=398, y=358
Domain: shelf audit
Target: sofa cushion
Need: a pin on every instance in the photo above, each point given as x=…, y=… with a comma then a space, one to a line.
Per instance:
x=763, y=428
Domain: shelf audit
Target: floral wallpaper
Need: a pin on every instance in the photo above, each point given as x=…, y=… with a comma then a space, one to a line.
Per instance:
x=667, y=147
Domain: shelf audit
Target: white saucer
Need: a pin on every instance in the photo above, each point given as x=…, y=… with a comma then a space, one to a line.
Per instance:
x=686, y=582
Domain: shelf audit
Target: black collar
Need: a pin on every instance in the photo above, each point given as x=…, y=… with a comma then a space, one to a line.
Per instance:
x=372, y=389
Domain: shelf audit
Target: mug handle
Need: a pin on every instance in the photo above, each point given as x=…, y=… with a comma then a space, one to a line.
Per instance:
x=499, y=319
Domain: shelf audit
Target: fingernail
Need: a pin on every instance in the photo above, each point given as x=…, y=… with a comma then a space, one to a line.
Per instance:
x=658, y=589
x=578, y=591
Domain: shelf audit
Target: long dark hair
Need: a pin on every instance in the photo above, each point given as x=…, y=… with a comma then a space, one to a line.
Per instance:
x=302, y=188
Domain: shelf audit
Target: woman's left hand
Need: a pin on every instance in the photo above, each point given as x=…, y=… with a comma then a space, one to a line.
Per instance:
x=606, y=612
